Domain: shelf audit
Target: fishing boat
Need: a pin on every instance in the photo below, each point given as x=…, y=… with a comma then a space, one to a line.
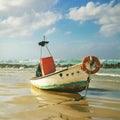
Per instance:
x=71, y=79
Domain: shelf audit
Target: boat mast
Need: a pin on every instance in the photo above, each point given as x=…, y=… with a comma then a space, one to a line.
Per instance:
x=42, y=44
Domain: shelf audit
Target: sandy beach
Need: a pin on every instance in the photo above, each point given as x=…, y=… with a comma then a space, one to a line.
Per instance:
x=20, y=101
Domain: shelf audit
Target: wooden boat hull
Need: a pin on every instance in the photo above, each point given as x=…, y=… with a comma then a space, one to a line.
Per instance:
x=72, y=79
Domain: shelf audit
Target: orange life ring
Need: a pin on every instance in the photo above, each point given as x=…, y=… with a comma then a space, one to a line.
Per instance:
x=93, y=61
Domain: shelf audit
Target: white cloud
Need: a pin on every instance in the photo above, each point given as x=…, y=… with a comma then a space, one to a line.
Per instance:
x=19, y=6
x=24, y=17
x=106, y=15
x=50, y=31
x=27, y=24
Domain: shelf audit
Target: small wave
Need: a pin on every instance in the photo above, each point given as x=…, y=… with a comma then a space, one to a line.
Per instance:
x=108, y=74
x=105, y=63
x=110, y=61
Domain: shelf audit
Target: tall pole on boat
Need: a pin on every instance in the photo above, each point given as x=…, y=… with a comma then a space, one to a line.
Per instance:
x=44, y=37
x=42, y=44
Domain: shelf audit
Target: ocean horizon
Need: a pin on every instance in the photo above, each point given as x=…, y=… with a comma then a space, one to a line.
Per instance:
x=57, y=61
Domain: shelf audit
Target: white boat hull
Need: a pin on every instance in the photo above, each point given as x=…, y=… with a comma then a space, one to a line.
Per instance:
x=72, y=79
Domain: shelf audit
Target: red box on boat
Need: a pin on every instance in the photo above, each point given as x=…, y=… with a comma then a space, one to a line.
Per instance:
x=47, y=65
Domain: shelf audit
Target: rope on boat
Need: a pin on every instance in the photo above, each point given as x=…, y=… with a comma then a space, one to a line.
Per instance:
x=48, y=50
x=86, y=89
x=88, y=81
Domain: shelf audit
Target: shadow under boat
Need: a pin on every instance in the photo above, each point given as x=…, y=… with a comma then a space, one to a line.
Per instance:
x=63, y=103
x=55, y=94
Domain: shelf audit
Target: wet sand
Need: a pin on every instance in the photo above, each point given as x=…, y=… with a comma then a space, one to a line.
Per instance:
x=20, y=101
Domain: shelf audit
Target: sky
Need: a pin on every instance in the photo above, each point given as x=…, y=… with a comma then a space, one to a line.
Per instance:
x=74, y=28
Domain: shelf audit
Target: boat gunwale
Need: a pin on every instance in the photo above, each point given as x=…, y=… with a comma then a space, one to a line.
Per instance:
x=35, y=78
x=56, y=72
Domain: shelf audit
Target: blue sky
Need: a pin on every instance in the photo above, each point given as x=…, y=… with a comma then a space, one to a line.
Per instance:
x=75, y=28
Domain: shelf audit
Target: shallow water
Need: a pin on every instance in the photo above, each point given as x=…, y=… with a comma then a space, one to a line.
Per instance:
x=20, y=101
